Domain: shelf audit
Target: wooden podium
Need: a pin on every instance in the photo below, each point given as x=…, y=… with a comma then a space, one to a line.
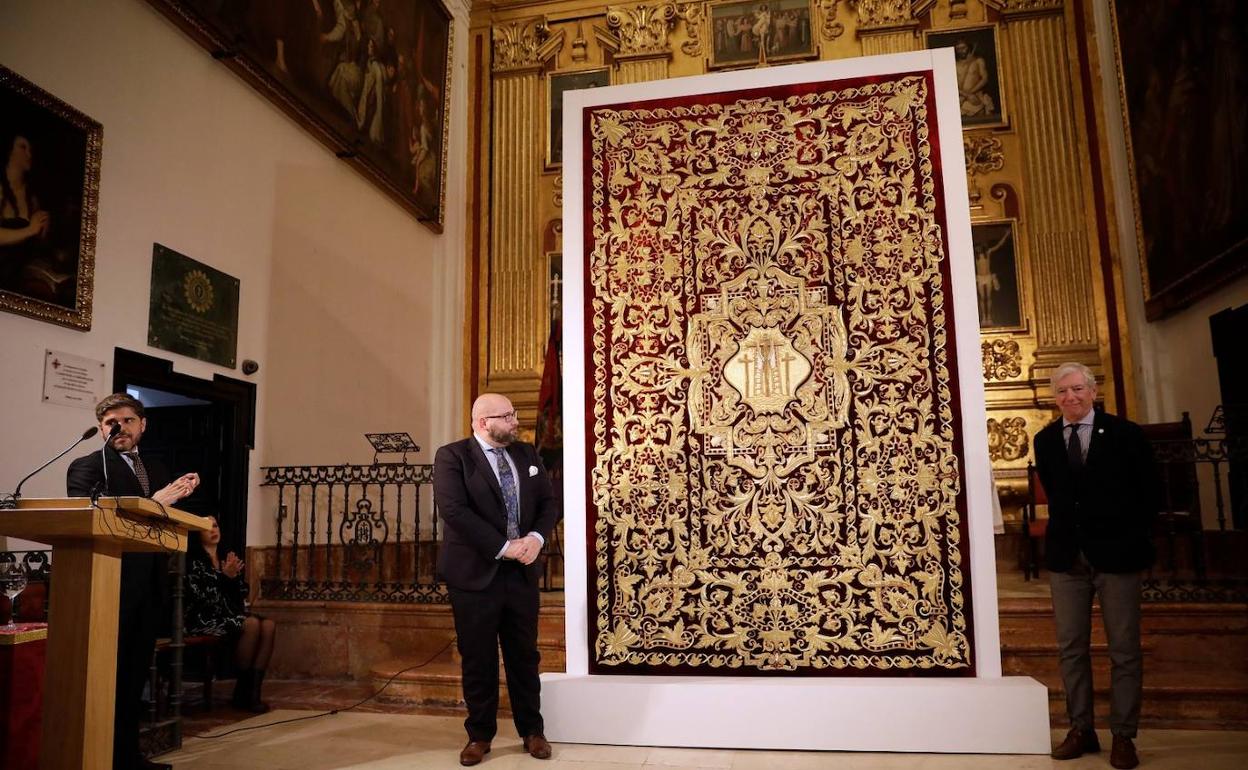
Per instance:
x=87, y=542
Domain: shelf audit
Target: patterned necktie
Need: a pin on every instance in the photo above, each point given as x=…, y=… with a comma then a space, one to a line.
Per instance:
x=141, y=472
x=507, y=480
x=1074, y=450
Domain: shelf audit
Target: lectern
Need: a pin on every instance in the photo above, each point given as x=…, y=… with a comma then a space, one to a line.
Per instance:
x=88, y=539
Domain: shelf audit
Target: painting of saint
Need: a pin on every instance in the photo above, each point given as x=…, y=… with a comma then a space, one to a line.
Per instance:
x=996, y=275
x=754, y=32
x=978, y=73
x=48, y=184
x=367, y=77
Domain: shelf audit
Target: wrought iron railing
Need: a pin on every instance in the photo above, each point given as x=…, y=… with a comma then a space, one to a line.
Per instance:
x=365, y=533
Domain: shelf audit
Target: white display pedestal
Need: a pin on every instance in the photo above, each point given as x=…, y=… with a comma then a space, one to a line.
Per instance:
x=1005, y=715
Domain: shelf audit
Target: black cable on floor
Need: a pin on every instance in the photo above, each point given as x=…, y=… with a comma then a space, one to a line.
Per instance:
x=422, y=664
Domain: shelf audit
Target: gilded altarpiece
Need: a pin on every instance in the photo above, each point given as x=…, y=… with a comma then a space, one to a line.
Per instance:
x=773, y=439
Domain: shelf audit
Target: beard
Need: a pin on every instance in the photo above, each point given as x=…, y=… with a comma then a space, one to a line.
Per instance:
x=504, y=436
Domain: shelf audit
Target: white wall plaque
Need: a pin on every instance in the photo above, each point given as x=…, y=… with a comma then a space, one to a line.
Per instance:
x=72, y=380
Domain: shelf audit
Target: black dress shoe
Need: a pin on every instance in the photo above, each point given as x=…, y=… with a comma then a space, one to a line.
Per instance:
x=1123, y=755
x=146, y=764
x=1078, y=742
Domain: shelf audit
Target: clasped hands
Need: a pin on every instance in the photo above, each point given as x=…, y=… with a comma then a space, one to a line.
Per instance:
x=232, y=565
x=523, y=549
x=177, y=490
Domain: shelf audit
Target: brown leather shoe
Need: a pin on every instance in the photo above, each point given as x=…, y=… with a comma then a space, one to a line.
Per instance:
x=1123, y=755
x=473, y=753
x=537, y=746
x=1078, y=742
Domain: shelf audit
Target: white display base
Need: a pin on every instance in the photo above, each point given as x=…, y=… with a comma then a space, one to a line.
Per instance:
x=1007, y=715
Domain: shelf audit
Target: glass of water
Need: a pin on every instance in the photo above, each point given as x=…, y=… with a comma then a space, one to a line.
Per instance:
x=12, y=583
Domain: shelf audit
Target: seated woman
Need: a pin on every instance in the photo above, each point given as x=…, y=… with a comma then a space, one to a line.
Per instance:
x=215, y=589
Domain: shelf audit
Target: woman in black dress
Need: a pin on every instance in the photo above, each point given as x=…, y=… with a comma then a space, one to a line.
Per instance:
x=215, y=590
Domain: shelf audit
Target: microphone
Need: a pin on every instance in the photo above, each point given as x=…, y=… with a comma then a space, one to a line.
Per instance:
x=86, y=434
x=112, y=432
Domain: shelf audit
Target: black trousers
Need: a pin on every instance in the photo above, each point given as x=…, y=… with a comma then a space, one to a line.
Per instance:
x=138, y=623
x=504, y=615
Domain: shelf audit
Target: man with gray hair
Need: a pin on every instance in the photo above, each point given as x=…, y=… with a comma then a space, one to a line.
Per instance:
x=1099, y=476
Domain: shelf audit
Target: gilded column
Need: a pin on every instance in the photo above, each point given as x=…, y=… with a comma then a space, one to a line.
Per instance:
x=637, y=36
x=515, y=336
x=1042, y=109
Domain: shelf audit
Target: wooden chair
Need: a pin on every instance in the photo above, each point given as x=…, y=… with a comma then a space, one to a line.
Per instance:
x=1034, y=527
x=206, y=648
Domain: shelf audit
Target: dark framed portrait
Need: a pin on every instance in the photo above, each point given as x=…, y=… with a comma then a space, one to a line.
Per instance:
x=997, y=288
x=980, y=93
x=49, y=197
x=1184, y=81
x=368, y=78
x=557, y=84
x=749, y=33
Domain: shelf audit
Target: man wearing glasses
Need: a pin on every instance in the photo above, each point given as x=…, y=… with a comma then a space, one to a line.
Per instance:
x=498, y=506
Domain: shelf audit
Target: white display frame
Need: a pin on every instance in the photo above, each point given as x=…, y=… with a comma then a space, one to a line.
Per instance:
x=985, y=713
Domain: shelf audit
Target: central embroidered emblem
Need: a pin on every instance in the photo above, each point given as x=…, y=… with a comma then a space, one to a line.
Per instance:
x=767, y=370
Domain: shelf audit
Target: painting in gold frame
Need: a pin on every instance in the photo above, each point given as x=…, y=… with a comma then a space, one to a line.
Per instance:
x=370, y=81
x=556, y=86
x=746, y=33
x=998, y=270
x=981, y=92
x=49, y=198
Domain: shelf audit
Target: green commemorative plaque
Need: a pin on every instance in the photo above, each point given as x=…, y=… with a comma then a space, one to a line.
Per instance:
x=194, y=308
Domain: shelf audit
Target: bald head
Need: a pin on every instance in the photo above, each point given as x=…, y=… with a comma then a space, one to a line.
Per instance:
x=494, y=419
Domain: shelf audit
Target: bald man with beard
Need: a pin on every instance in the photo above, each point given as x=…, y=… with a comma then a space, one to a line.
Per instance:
x=496, y=501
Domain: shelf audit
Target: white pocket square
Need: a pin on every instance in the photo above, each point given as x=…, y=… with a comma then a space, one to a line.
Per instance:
x=532, y=471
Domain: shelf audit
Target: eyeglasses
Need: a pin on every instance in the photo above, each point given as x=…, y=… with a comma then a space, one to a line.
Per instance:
x=504, y=416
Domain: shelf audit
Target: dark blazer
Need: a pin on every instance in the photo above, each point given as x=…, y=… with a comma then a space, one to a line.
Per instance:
x=1107, y=508
x=470, y=504
x=143, y=575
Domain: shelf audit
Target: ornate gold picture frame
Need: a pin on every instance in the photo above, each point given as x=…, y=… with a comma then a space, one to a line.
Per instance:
x=557, y=84
x=981, y=89
x=370, y=81
x=48, y=204
x=746, y=33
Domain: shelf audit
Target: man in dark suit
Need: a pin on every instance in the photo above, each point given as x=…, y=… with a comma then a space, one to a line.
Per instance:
x=143, y=575
x=496, y=500
x=1099, y=475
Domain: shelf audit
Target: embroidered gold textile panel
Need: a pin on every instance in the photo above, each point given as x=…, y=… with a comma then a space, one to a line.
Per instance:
x=772, y=435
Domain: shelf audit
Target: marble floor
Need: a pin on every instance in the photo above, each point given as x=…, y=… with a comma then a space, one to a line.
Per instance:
x=377, y=741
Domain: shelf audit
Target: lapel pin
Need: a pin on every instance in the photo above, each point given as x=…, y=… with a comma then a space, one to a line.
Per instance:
x=1100, y=430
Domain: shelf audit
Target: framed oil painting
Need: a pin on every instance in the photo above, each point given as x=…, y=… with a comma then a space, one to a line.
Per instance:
x=368, y=78
x=997, y=285
x=1184, y=87
x=557, y=84
x=49, y=194
x=745, y=34
x=980, y=93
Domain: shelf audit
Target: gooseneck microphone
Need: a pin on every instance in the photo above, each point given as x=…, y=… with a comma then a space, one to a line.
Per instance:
x=11, y=501
x=103, y=490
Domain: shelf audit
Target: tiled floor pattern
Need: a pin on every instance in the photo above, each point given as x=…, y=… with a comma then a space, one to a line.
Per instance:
x=379, y=741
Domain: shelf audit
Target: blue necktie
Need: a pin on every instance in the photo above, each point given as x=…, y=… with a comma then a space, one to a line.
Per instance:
x=507, y=480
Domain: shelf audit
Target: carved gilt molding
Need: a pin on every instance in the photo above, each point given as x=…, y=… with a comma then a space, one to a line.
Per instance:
x=984, y=154
x=1007, y=439
x=1024, y=7
x=1003, y=359
x=830, y=28
x=522, y=46
x=693, y=14
x=638, y=31
x=885, y=15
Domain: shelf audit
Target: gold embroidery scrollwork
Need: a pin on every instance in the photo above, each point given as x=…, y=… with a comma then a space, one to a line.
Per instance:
x=773, y=484
x=1007, y=439
x=1003, y=359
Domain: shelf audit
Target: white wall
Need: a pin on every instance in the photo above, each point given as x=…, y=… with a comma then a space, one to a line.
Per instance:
x=352, y=308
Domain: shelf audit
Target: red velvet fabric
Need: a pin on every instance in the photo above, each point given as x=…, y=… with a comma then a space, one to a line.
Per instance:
x=21, y=695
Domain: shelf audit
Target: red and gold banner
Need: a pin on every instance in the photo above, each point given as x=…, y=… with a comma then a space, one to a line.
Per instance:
x=772, y=436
